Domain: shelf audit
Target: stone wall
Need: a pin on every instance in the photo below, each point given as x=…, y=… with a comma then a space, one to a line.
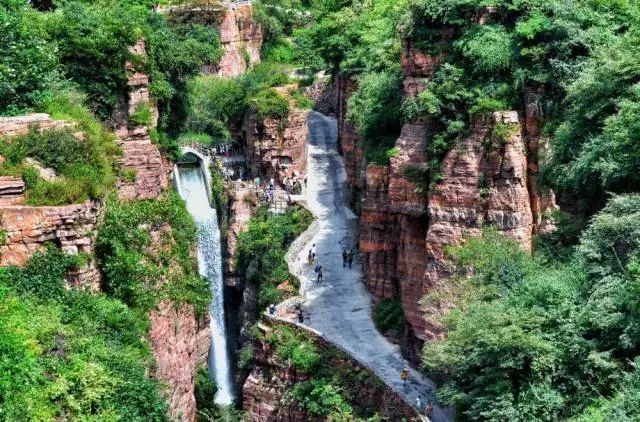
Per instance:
x=19, y=125
x=241, y=38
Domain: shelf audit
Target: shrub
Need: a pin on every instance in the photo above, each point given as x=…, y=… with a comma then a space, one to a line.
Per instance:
x=269, y=104
x=389, y=315
x=68, y=353
x=205, y=391
x=245, y=356
x=293, y=348
x=265, y=243
x=321, y=398
x=141, y=116
x=301, y=100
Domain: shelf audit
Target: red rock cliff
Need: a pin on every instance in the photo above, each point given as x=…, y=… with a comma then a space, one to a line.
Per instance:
x=273, y=147
x=406, y=225
x=241, y=38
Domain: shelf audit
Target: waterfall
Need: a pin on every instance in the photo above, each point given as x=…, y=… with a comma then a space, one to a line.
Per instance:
x=193, y=189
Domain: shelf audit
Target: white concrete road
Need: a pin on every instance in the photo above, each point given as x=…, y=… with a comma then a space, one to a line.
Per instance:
x=340, y=307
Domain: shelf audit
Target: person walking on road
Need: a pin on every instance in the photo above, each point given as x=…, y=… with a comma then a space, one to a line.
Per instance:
x=429, y=410
x=418, y=403
x=403, y=376
x=318, y=271
x=313, y=251
x=345, y=257
x=310, y=257
x=350, y=258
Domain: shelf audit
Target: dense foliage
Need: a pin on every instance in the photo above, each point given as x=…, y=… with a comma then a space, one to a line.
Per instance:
x=217, y=104
x=145, y=250
x=82, y=163
x=67, y=354
x=261, y=250
x=537, y=340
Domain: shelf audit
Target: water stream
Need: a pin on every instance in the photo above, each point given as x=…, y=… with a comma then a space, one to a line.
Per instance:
x=193, y=189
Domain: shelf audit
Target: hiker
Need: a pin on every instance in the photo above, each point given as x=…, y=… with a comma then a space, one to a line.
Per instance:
x=403, y=376
x=272, y=309
x=429, y=410
x=313, y=251
x=299, y=266
x=300, y=316
x=418, y=403
x=310, y=257
x=345, y=257
x=318, y=271
x=350, y=258
x=305, y=182
x=272, y=184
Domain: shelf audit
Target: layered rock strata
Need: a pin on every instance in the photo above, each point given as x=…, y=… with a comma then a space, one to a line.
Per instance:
x=20, y=125
x=145, y=175
x=180, y=343
x=407, y=221
x=241, y=39
x=276, y=147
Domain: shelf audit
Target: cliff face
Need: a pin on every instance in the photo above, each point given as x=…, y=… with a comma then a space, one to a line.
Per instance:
x=266, y=390
x=406, y=222
x=241, y=38
x=28, y=228
x=141, y=157
x=273, y=147
x=177, y=342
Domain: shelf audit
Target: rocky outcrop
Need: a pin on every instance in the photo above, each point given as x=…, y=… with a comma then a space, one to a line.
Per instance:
x=11, y=190
x=484, y=185
x=265, y=392
x=20, y=125
x=176, y=339
x=71, y=227
x=274, y=147
x=407, y=220
x=144, y=172
x=241, y=38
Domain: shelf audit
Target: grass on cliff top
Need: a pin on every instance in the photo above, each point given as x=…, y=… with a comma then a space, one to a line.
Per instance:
x=83, y=163
x=262, y=248
x=68, y=354
x=145, y=249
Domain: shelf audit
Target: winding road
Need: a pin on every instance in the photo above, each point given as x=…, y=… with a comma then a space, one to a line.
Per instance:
x=340, y=307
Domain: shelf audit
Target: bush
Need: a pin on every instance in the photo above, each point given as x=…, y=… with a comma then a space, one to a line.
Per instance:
x=141, y=116
x=321, y=398
x=389, y=315
x=68, y=353
x=293, y=348
x=301, y=100
x=265, y=242
x=269, y=104
x=205, y=391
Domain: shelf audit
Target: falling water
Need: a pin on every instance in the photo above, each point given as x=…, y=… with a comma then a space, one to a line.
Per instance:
x=193, y=190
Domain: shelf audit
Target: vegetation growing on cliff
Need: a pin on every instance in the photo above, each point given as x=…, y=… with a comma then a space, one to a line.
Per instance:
x=538, y=340
x=261, y=250
x=68, y=354
x=145, y=250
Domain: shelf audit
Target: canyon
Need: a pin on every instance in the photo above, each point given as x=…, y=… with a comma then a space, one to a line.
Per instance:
x=406, y=225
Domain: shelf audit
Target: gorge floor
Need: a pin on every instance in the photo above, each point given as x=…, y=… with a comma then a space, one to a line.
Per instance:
x=340, y=307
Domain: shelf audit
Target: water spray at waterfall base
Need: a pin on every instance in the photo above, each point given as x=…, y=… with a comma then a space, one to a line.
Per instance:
x=193, y=189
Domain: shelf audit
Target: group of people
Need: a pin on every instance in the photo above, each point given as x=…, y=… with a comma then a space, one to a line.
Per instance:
x=311, y=258
x=347, y=258
x=234, y=172
x=293, y=185
x=428, y=410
